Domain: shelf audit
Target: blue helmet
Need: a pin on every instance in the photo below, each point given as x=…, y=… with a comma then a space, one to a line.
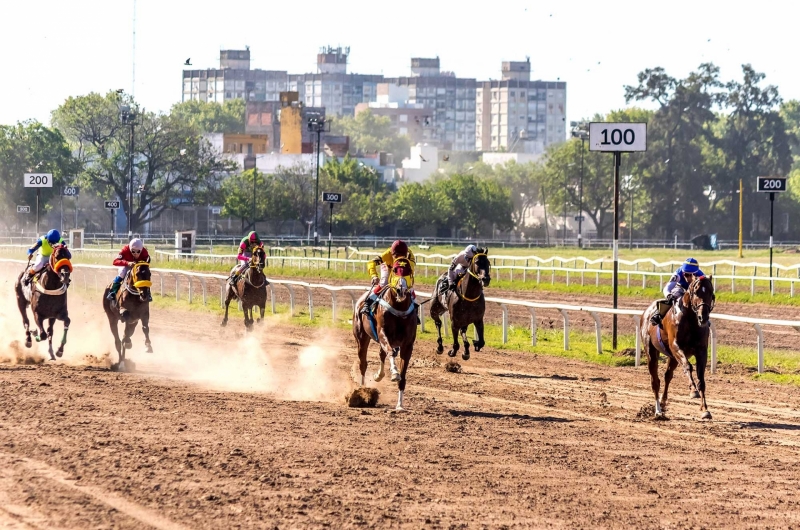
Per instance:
x=690, y=266
x=53, y=237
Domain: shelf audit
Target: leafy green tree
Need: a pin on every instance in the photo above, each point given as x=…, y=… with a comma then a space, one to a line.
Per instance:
x=172, y=164
x=272, y=202
x=372, y=134
x=212, y=117
x=476, y=201
x=31, y=147
x=417, y=205
x=297, y=184
x=366, y=198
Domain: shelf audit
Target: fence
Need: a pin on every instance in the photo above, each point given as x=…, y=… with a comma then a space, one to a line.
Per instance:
x=564, y=309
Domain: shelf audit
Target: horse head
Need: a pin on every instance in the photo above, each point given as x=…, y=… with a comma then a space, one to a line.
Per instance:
x=60, y=263
x=402, y=278
x=480, y=266
x=259, y=259
x=702, y=299
x=141, y=278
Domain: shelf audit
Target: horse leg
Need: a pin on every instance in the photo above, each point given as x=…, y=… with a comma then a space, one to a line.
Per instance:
x=655, y=383
x=362, y=341
x=405, y=358
x=687, y=367
x=702, y=356
x=668, y=373
x=130, y=327
x=60, y=350
x=464, y=339
x=50, y=323
x=22, y=304
x=480, y=343
x=146, y=330
x=393, y=367
x=40, y=334
x=377, y=376
x=114, y=325
x=437, y=319
x=456, y=345
x=228, y=297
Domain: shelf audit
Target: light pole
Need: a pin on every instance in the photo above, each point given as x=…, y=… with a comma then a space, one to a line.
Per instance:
x=566, y=174
x=250, y=163
x=580, y=130
x=128, y=116
x=317, y=124
x=627, y=183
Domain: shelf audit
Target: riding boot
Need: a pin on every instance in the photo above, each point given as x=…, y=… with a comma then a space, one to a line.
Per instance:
x=368, y=303
x=114, y=289
x=232, y=279
x=444, y=285
x=662, y=306
x=28, y=278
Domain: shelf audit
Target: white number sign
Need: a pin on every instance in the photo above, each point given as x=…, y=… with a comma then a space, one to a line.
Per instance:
x=623, y=137
x=38, y=180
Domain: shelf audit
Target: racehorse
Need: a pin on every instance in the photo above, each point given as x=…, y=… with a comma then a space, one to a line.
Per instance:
x=685, y=334
x=250, y=289
x=466, y=305
x=47, y=296
x=132, y=301
x=393, y=326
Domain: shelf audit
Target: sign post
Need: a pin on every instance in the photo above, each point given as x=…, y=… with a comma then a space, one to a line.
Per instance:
x=331, y=198
x=617, y=138
x=112, y=206
x=38, y=181
x=771, y=185
x=69, y=191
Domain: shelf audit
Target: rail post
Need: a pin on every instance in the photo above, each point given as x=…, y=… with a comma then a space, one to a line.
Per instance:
x=291, y=299
x=532, y=311
x=566, y=328
x=598, y=331
x=504, y=308
x=760, y=348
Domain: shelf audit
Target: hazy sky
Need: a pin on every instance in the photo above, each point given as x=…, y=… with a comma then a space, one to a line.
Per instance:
x=53, y=49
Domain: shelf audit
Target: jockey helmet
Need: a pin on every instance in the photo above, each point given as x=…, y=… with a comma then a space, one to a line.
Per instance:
x=399, y=248
x=471, y=249
x=136, y=244
x=53, y=236
x=253, y=237
x=690, y=266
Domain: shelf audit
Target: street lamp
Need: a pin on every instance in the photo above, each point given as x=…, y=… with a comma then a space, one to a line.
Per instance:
x=129, y=116
x=250, y=163
x=317, y=124
x=580, y=130
x=627, y=184
x=566, y=174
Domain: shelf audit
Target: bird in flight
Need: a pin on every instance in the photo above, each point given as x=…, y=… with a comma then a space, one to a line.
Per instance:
x=188, y=62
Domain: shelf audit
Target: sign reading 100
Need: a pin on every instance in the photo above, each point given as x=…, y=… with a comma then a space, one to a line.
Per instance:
x=622, y=137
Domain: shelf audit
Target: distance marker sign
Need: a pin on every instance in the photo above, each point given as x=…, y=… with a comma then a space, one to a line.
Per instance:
x=771, y=184
x=620, y=137
x=111, y=205
x=38, y=180
x=328, y=196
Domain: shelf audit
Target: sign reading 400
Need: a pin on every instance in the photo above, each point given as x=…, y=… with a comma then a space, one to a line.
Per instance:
x=622, y=137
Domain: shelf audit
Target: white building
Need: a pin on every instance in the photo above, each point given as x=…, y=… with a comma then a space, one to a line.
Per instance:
x=421, y=164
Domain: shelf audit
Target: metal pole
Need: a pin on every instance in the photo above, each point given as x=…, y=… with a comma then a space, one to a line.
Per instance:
x=38, y=195
x=546, y=228
x=130, y=190
x=617, y=160
x=330, y=237
x=564, y=231
x=630, y=230
x=580, y=201
x=771, y=211
x=741, y=210
x=112, y=227
x=255, y=174
x=61, y=202
x=316, y=188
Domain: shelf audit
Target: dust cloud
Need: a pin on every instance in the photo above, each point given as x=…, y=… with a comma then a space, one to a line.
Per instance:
x=188, y=347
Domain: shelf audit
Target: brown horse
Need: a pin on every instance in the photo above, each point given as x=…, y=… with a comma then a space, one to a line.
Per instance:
x=250, y=289
x=466, y=305
x=685, y=334
x=47, y=296
x=393, y=326
x=132, y=301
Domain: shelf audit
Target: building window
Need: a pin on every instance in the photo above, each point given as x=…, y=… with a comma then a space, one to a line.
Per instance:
x=512, y=93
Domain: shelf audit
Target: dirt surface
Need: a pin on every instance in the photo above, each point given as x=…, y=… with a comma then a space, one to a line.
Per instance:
x=223, y=429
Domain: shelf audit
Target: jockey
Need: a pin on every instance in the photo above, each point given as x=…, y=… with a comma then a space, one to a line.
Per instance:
x=249, y=243
x=460, y=263
x=675, y=288
x=399, y=249
x=132, y=253
x=45, y=246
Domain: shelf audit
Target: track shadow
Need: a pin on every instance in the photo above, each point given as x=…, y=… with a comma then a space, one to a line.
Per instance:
x=498, y=416
x=511, y=375
x=763, y=425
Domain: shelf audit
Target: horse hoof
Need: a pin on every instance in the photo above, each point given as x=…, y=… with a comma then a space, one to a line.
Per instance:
x=659, y=415
x=378, y=376
x=694, y=394
x=395, y=377
x=128, y=344
x=465, y=355
x=59, y=352
x=38, y=339
x=399, y=409
x=478, y=345
x=451, y=353
x=440, y=350
x=28, y=343
x=223, y=323
x=149, y=349
x=706, y=416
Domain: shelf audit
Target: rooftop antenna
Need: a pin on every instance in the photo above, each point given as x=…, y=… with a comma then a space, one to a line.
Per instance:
x=133, y=54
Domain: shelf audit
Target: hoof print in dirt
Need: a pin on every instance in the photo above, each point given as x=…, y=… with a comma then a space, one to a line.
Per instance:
x=648, y=412
x=452, y=367
x=363, y=397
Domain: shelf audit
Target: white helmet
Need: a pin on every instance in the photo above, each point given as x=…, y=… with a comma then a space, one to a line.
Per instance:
x=471, y=249
x=136, y=244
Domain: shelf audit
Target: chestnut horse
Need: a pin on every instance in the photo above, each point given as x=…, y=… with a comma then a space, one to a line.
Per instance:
x=393, y=326
x=132, y=301
x=466, y=305
x=47, y=296
x=684, y=334
x=250, y=289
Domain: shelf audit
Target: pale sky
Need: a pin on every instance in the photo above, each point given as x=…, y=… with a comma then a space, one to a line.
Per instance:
x=53, y=49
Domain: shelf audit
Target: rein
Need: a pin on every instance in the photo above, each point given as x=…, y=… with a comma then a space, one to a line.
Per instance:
x=135, y=286
x=55, y=266
x=470, y=273
x=259, y=267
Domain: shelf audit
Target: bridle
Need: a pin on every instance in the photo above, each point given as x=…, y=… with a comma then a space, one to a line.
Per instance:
x=694, y=296
x=473, y=262
x=256, y=262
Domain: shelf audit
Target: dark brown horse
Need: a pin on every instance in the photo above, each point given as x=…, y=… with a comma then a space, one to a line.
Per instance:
x=393, y=326
x=466, y=305
x=250, y=289
x=47, y=296
x=131, y=300
x=684, y=334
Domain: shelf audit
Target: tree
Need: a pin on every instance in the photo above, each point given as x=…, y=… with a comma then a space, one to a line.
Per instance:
x=366, y=198
x=417, y=205
x=296, y=183
x=31, y=147
x=272, y=200
x=212, y=117
x=172, y=164
x=371, y=134
x=476, y=201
